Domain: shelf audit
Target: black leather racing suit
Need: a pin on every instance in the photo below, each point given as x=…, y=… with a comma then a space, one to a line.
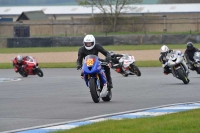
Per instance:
x=189, y=57
x=114, y=58
x=163, y=59
x=83, y=52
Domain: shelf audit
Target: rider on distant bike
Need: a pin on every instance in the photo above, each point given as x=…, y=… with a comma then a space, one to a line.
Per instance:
x=189, y=53
x=19, y=61
x=116, y=64
x=164, y=51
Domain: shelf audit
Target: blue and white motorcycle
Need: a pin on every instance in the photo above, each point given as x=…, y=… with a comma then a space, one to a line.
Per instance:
x=95, y=78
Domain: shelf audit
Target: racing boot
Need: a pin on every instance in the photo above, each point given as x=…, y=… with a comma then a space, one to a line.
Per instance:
x=166, y=70
x=109, y=86
x=16, y=69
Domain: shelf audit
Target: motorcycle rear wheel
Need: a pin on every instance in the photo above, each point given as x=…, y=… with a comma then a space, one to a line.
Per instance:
x=135, y=70
x=94, y=90
x=182, y=76
x=39, y=72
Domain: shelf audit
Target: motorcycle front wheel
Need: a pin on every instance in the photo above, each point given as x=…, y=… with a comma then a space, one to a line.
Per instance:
x=94, y=90
x=135, y=70
x=39, y=72
x=198, y=70
x=182, y=76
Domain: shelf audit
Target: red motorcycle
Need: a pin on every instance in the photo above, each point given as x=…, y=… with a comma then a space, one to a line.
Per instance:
x=30, y=67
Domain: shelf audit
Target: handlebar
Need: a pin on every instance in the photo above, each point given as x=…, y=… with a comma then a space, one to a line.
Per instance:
x=103, y=62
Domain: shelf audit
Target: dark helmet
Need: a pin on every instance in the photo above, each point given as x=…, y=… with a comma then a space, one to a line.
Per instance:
x=112, y=54
x=190, y=46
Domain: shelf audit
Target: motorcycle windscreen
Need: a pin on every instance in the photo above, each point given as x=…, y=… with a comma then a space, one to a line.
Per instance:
x=197, y=56
x=91, y=64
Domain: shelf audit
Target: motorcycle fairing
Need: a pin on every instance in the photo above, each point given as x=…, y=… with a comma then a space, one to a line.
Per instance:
x=196, y=58
x=92, y=69
x=127, y=60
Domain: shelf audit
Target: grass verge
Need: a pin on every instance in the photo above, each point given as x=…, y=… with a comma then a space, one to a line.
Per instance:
x=183, y=122
x=73, y=64
x=75, y=49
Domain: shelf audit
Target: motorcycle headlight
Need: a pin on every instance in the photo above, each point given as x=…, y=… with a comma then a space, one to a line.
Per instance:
x=174, y=60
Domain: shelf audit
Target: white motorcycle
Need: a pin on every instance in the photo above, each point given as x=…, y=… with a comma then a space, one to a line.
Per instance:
x=178, y=66
x=196, y=58
x=128, y=65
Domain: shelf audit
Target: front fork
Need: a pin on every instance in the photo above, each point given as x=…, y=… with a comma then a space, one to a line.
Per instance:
x=87, y=78
x=185, y=66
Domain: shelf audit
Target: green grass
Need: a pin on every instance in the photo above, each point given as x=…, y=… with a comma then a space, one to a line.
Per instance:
x=75, y=49
x=73, y=64
x=183, y=122
x=43, y=65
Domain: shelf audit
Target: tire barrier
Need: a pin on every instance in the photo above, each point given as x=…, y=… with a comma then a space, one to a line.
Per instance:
x=156, y=39
x=111, y=40
x=54, y=41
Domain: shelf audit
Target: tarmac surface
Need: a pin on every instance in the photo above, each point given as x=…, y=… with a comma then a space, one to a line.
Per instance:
x=61, y=96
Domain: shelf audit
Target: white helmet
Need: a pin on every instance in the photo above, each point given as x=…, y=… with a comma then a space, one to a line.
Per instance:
x=19, y=58
x=164, y=49
x=89, y=42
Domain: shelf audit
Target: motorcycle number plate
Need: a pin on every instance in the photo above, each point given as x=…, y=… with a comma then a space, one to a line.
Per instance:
x=89, y=62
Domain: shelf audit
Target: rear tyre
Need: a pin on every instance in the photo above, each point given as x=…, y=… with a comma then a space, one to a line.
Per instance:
x=39, y=72
x=94, y=90
x=182, y=76
x=108, y=97
x=135, y=70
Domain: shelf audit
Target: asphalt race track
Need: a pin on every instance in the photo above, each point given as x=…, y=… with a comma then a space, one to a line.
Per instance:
x=61, y=95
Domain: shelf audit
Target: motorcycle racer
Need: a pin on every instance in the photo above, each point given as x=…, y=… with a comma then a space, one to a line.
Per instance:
x=91, y=47
x=164, y=51
x=116, y=64
x=189, y=53
x=18, y=61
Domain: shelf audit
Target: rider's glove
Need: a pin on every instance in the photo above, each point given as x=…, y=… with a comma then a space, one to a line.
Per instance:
x=109, y=65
